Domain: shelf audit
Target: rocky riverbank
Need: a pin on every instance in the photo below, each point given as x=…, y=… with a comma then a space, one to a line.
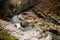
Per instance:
x=32, y=28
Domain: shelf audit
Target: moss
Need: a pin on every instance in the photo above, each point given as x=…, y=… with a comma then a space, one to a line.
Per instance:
x=5, y=36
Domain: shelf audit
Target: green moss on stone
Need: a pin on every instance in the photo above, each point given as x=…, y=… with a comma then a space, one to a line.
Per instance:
x=5, y=36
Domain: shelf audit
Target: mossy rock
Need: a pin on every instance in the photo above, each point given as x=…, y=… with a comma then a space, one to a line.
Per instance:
x=4, y=35
x=7, y=37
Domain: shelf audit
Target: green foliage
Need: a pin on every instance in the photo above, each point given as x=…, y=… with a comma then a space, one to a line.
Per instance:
x=5, y=36
x=25, y=4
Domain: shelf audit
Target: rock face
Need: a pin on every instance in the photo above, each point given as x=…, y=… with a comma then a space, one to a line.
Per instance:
x=49, y=8
x=34, y=27
x=27, y=25
x=21, y=34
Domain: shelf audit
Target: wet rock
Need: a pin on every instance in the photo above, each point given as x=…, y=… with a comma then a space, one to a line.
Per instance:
x=55, y=37
x=32, y=34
